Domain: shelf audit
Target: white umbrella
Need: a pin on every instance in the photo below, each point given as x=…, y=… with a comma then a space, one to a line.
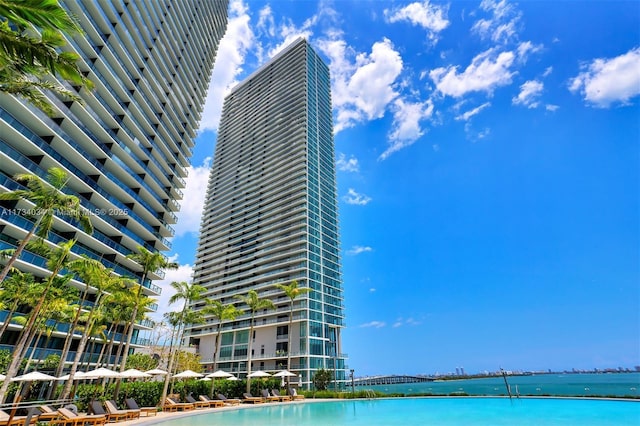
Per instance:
x=2, y=377
x=259, y=374
x=157, y=372
x=232, y=378
x=101, y=373
x=284, y=373
x=77, y=376
x=215, y=375
x=187, y=374
x=132, y=373
x=219, y=373
x=33, y=376
x=205, y=379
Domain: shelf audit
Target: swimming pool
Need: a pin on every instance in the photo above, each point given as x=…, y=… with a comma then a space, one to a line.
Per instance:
x=425, y=411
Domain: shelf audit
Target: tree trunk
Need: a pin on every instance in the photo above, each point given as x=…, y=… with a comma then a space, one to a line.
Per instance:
x=249, y=355
x=19, y=349
x=14, y=257
x=79, y=352
x=7, y=320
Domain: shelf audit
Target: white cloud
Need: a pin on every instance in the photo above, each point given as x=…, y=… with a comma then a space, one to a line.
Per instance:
x=551, y=107
x=402, y=321
x=487, y=71
x=232, y=50
x=374, y=324
x=362, y=84
x=266, y=23
x=467, y=115
x=183, y=273
x=353, y=197
x=607, y=81
x=406, y=128
x=501, y=26
x=525, y=48
x=350, y=165
x=548, y=71
x=529, y=94
x=192, y=204
x=432, y=18
x=358, y=249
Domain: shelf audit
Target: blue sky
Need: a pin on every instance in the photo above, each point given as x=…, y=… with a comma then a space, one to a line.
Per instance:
x=488, y=176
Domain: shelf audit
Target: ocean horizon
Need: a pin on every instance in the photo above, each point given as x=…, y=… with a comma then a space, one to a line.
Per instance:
x=554, y=384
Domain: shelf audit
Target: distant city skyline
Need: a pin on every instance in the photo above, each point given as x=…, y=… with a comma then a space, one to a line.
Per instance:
x=488, y=176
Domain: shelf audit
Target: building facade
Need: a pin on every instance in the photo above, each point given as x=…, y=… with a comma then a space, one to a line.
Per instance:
x=271, y=217
x=126, y=147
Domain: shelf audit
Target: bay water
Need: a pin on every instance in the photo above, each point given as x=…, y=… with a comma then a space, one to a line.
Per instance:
x=557, y=384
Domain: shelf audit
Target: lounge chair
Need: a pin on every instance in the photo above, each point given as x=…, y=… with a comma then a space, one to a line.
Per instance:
x=15, y=421
x=196, y=403
x=68, y=417
x=133, y=405
x=268, y=397
x=294, y=394
x=248, y=398
x=171, y=405
x=276, y=392
x=95, y=407
x=112, y=408
x=211, y=402
x=228, y=401
x=47, y=413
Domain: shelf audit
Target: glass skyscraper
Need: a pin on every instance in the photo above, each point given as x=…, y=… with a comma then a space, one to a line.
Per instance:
x=271, y=217
x=127, y=146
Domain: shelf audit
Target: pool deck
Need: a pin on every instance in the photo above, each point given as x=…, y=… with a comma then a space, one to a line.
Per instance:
x=164, y=415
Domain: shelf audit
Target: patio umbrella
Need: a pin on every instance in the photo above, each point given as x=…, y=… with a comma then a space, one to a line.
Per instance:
x=132, y=373
x=232, y=378
x=34, y=376
x=215, y=375
x=102, y=373
x=79, y=375
x=2, y=377
x=157, y=372
x=283, y=374
x=259, y=374
x=188, y=374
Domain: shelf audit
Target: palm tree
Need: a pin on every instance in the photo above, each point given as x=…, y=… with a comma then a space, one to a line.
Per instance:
x=17, y=290
x=57, y=259
x=150, y=262
x=48, y=200
x=102, y=279
x=221, y=313
x=292, y=291
x=255, y=304
x=188, y=292
x=31, y=35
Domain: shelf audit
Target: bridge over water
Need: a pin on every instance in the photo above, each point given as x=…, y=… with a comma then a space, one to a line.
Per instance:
x=389, y=380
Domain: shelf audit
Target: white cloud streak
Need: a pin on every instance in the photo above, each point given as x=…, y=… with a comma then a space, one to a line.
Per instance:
x=355, y=198
x=192, y=204
x=233, y=48
x=502, y=24
x=608, y=81
x=355, y=250
x=529, y=94
x=475, y=111
x=347, y=165
x=374, y=324
x=432, y=18
x=406, y=127
x=487, y=71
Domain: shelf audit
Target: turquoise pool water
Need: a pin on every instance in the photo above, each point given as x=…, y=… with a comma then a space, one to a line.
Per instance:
x=426, y=411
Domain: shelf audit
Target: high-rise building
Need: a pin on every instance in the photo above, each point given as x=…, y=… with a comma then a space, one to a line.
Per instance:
x=271, y=217
x=126, y=146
